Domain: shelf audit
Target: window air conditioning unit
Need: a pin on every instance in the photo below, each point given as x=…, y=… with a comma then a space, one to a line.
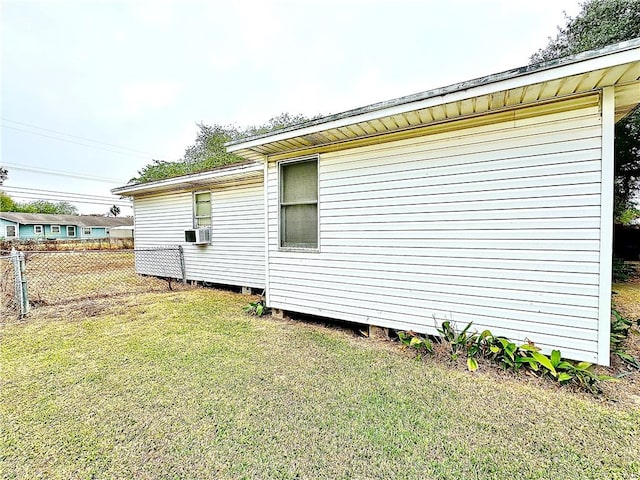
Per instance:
x=198, y=236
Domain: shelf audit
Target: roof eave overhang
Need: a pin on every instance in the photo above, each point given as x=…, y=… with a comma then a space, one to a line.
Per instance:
x=578, y=71
x=194, y=181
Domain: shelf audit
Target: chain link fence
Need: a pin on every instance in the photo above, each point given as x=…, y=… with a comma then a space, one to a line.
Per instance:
x=61, y=277
x=160, y=262
x=9, y=296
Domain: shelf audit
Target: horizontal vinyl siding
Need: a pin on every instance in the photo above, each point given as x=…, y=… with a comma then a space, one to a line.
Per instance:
x=498, y=225
x=236, y=253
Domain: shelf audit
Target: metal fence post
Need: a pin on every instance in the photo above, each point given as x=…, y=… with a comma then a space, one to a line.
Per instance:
x=182, y=269
x=21, y=291
x=24, y=306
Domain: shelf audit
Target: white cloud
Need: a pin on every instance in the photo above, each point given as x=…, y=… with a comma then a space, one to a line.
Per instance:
x=176, y=144
x=155, y=12
x=254, y=26
x=148, y=95
x=121, y=36
x=260, y=26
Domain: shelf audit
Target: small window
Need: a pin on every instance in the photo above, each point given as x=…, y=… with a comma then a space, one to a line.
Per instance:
x=86, y=230
x=201, y=209
x=55, y=229
x=299, y=204
x=71, y=231
x=11, y=231
x=38, y=229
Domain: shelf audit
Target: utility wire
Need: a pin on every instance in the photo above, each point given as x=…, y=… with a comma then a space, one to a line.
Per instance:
x=26, y=168
x=79, y=137
x=67, y=194
x=87, y=202
x=63, y=198
x=137, y=155
x=68, y=198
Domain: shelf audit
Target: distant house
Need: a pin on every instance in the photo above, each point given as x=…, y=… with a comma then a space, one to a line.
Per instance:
x=41, y=226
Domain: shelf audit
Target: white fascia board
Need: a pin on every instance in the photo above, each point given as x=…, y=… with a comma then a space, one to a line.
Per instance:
x=188, y=181
x=489, y=85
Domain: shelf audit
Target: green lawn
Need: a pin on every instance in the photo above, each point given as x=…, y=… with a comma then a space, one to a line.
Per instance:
x=184, y=385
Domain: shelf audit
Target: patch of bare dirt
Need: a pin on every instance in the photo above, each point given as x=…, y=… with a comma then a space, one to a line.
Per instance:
x=81, y=309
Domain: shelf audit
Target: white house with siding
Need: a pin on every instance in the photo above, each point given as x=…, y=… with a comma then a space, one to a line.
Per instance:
x=489, y=201
x=228, y=200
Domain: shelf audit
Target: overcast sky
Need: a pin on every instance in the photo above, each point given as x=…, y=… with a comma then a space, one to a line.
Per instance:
x=139, y=75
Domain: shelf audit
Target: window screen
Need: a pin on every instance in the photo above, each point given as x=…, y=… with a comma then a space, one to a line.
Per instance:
x=299, y=204
x=202, y=209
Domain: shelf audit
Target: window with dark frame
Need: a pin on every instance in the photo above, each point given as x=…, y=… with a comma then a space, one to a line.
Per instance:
x=299, y=204
x=71, y=231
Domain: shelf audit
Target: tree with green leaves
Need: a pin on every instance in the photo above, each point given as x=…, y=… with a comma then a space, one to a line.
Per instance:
x=209, y=151
x=8, y=204
x=600, y=23
x=206, y=153
x=44, y=206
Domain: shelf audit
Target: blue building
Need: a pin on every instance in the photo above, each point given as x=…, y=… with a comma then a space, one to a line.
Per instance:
x=41, y=226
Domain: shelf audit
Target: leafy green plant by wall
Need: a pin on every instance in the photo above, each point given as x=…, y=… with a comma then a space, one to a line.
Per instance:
x=422, y=345
x=257, y=308
x=505, y=353
x=620, y=328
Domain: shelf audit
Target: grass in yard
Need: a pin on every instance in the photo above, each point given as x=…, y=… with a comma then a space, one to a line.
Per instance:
x=184, y=385
x=626, y=299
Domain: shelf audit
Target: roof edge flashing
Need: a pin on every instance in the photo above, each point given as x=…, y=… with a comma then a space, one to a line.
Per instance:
x=236, y=145
x=244, y=168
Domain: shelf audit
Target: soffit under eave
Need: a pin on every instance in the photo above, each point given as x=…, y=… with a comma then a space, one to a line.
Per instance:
x=442, y=124
x=625, y=76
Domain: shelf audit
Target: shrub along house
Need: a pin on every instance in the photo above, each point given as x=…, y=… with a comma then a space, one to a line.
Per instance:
x=44, y=226
x=488, y=201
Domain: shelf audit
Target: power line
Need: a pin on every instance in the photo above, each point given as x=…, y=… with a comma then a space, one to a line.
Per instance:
x=78, y=137
x=26, y=168
x=85, y=202
x=66, y=194
x=76, y=143
x=68, y=198
x=48, y=198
